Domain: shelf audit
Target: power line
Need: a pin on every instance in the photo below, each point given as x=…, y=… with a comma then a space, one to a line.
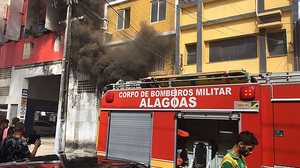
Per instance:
x=130, y=25
x=189, y=12
x=126, y=35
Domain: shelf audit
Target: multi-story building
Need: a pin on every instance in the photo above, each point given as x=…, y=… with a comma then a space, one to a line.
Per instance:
x=31, y=53
x=124, y=20
x=255, y=35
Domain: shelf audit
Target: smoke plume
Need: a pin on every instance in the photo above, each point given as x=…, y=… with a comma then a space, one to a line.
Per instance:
x=106, y=64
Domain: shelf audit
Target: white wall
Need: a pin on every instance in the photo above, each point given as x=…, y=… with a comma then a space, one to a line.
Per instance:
x=82, y=117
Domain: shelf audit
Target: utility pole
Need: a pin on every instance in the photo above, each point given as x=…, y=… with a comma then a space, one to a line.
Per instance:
x=60, y=137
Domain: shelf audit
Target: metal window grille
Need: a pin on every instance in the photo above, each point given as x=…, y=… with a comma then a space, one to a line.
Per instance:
x=277, y=43
x=5, y=73
x=191, y=53
x=86, y=86
x=4, y=91
x=157, y=65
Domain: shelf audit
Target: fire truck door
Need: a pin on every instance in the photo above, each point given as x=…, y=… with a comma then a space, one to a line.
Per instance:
x=286, y=133
x=129, y=136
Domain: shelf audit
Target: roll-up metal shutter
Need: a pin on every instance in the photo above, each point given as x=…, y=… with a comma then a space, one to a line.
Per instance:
x=130, y=136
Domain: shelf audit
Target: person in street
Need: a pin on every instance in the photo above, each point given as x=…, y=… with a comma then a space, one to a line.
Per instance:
x=13, y=122
x=244, y=145
x=15, y=146
x=9, y=131
x=3, y=126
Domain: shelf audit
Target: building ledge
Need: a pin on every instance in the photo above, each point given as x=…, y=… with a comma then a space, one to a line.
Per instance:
x=270, y=25
x=269, y=19
x=117, y=2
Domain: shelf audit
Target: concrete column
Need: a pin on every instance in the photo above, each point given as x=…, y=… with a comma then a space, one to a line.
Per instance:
x=199, y=36
x=262, y=41
x=177, y=47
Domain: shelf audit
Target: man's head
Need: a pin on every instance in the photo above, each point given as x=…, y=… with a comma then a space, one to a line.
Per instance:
x=246, y=142
x=19, y=128
x=4, y=123
x=15, y=120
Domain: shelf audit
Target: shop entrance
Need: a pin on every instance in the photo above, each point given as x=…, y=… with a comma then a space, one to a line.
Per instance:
x=203, y=141
x=42, y=105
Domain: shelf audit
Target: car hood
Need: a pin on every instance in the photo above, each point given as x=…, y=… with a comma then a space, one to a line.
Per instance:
x=61, y=161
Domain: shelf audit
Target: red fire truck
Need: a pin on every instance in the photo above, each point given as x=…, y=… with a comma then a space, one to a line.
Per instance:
x=197, y=117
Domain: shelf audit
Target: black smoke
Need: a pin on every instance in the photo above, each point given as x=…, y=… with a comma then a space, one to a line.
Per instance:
x=108, y=64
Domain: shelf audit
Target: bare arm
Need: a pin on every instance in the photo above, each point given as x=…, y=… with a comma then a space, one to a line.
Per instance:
x=37, y=144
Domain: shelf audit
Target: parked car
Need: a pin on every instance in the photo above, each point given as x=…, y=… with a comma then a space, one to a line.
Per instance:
x=61, y=161
x=43, y=128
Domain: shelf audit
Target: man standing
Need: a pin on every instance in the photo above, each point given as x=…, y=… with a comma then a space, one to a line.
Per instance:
x=244, y=145
x=3, y=126
x=15, y=146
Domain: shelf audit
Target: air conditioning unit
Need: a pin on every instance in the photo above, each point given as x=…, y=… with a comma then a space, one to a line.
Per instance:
x=269, y=19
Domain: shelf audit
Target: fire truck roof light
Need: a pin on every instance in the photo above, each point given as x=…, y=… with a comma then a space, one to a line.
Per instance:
x=109, y=97
x=247, y=93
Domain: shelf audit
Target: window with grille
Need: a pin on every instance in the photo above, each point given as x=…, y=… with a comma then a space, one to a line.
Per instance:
x=158, y=10
x=4, y=91
x=123, y=20
x=277, y=43
x=157, y=65
x=233, y=49
x=191, y=53
x=5, y=73
x=86, y=86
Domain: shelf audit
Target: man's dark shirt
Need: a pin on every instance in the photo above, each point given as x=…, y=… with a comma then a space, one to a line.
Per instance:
x=1, y=134
x=14, y=149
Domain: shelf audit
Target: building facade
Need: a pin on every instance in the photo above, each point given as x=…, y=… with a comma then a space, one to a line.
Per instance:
x=31, y=53
x=257, y=36
x=125, y=20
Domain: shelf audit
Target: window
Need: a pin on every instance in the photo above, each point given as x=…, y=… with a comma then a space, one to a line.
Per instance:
x=86, y=86
x=191, y=53
x=233, y=49
x=277, y=43
x=158, y=10
x=157, y=64
x=123, y=19
x=5, y=73
x=4, y=91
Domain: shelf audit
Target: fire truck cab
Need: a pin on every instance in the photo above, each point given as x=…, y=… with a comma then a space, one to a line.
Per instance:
x=197, y=117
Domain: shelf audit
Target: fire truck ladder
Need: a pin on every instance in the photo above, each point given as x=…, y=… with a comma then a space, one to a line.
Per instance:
x=209, y=78
x=274, y=78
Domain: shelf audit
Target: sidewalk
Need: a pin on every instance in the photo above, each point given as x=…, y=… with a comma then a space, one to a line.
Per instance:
x=47, y=148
